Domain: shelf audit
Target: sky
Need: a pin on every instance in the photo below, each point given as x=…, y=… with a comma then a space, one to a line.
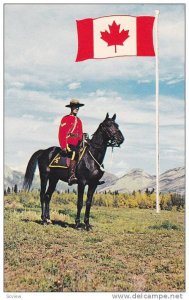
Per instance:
x=41, y=76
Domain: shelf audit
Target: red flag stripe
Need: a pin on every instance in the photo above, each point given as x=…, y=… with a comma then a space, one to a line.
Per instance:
x=145, y=36
x=85, y=39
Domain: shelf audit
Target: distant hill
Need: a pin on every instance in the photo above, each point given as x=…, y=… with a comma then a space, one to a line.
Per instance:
x=173, y=180
x=12, y=177
x=137, y=179
x=170, y=181
x=109, y=180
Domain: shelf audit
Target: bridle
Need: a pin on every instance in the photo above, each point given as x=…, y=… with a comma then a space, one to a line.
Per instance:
x=110, y=143
x=111, y=140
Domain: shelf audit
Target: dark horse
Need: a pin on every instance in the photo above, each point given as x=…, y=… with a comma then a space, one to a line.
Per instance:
x=88, y=171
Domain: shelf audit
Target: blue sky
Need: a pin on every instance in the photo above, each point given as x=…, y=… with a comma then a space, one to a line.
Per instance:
x=41, y=76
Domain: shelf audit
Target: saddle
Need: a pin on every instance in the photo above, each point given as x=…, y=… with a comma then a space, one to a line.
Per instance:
x=61, y=160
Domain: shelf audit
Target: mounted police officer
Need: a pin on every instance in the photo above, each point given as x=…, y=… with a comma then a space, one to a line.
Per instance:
x=70, y=136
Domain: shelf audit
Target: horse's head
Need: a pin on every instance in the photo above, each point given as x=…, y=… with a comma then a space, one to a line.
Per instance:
x=111, y=131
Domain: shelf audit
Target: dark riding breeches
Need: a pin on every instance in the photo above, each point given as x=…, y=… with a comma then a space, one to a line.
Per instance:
x=73, y=152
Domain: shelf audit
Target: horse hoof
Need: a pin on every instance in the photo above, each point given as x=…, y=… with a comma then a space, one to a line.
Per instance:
x=48, y=221
x=88, y=227
x=78, y=225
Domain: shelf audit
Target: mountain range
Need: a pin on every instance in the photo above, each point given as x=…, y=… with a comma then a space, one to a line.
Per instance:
x=172, y=180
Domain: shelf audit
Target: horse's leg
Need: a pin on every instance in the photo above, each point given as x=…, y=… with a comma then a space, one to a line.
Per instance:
x=90, y=193
x=81, y=188
x=47, y=198
x=42, y=195
x=44, y=179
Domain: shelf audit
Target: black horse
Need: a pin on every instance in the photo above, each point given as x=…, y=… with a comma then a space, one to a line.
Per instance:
x=88, y=171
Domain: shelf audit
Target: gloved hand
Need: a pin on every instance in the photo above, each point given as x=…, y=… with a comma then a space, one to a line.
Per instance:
x=68, y=148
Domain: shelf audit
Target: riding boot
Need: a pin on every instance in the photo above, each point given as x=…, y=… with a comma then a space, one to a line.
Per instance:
x=72, y=178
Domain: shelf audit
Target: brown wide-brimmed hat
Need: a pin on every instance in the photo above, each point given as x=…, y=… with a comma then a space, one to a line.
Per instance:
x=74, y=102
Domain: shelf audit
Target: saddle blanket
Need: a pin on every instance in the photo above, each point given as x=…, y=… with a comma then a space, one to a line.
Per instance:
x=60, y=161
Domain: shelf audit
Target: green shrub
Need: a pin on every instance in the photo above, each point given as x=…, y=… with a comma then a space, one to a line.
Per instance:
x=169, y=201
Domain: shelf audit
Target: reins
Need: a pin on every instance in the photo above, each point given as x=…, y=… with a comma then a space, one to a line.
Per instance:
x=110, y=143
x=100, y=165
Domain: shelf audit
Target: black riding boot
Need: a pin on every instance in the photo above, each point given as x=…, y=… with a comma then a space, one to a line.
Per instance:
x=72, y=178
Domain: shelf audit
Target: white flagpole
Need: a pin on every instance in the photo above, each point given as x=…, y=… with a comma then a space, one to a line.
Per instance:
x=157, y=111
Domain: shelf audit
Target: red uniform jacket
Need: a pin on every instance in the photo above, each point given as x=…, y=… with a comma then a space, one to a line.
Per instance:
x=70, y=131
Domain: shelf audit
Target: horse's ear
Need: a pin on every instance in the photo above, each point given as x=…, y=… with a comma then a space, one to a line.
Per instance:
x=114, y=117
x=107, y=116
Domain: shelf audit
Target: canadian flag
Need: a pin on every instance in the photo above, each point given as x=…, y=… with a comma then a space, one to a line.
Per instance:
x=112, y=36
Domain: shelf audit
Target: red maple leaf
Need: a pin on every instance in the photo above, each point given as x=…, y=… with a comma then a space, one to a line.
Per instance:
x=114, y=37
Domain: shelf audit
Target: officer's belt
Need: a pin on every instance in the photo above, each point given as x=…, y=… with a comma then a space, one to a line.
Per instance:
x=72, y=135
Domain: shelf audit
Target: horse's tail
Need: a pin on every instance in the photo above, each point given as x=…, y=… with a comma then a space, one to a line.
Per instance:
x=30, y=170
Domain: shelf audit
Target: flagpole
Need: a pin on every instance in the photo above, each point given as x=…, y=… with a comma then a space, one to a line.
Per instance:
x=157, y=110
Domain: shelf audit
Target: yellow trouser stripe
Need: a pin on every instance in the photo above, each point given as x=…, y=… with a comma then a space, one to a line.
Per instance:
x=73, y=155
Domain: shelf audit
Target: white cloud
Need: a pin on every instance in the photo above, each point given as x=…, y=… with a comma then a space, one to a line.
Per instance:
x=174, y=81
x=43, y=39
x=33, y=102
x=144, y=81
x=172, y=111
x=40, y=51
x=98, y=93
x=28, y=130
x=74, y=85
x=136, y=118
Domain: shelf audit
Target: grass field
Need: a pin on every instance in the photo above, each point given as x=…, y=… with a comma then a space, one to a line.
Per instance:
x=130, y=250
